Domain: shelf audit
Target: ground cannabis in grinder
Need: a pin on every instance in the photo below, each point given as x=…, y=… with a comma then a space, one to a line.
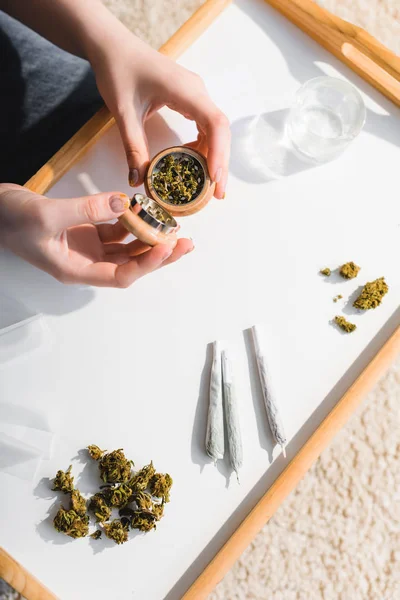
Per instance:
x=178, y=178
x=372, y=294
x=345, y=325
x=349, y=270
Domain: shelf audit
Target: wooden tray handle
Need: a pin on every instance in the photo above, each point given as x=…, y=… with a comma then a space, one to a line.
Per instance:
x=351, y=44
x=21, y=580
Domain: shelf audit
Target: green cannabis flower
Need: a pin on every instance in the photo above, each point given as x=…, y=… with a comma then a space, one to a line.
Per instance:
x=160, y=485
x=349, y=270
x=326, y=272
x=78, y=503
x=143, y=500
x=158, y=510
x=95, y=452
x=178, y=178
x=114, y=467
x=372, y=294
x=125, y=490
x=141, y=479
x=99, y=507
x=143, y=520
x=70, y=523
x=116, y=531
x=345, y=325
x=64, y=482
x=96, y=535
x=118, y=496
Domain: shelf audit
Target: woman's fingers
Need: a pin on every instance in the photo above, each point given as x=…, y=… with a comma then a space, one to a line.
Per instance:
x=135, y=144
x=214, y=126
x=112, y=233
x=122, y=271
x=127, y=250
x=218, y=141
x=200, y=144
x=184, y=246
x=108, y=274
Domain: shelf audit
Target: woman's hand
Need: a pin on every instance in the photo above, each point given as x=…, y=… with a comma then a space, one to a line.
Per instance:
x=135, y=81
x=64, y=238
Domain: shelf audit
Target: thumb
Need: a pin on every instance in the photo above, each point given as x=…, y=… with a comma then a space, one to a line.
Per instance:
x=136, y=149
x=98, y=208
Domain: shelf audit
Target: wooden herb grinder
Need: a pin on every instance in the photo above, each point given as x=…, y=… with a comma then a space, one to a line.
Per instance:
x=177, y=183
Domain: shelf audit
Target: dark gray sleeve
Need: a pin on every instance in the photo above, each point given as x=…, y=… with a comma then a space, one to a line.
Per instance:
x=46, y=95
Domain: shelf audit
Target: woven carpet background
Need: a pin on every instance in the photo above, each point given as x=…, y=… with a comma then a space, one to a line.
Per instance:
x=337, y=536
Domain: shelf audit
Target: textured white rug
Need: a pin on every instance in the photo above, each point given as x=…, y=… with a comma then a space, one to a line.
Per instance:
x=337, y=537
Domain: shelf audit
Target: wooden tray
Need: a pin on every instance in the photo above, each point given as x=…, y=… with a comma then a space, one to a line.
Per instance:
x=257, y=260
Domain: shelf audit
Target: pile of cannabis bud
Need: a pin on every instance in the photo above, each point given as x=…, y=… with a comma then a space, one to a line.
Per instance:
x=372, y=294
x=139, y=497
x=178, y=178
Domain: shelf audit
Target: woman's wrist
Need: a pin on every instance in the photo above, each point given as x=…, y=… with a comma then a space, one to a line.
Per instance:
x=102, y=36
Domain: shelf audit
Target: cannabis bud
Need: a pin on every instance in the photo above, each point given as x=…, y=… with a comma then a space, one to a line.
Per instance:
x=345, y=325
x=143, y=500
x=78, y=503
x=125, y=490
x=95, y=452
x=349, y=270
x=118, y=496
x=96, y=535
x=372, y=294
x=100, y=508
x=141, y=479
x=114, y=467
x=70, y=523
x=160, y=486
x=116, y=531
x=326, y=272
x=64, y=482
x=178, y=178
x=143, y=520
x=158, y=510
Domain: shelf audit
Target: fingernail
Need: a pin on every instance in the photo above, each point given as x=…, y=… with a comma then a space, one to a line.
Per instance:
x=119, y=203
x=218, y=175
x=223, y=196
x=133, y=177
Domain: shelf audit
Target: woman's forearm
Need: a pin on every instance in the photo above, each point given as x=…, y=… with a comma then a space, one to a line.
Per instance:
x=78, y=26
